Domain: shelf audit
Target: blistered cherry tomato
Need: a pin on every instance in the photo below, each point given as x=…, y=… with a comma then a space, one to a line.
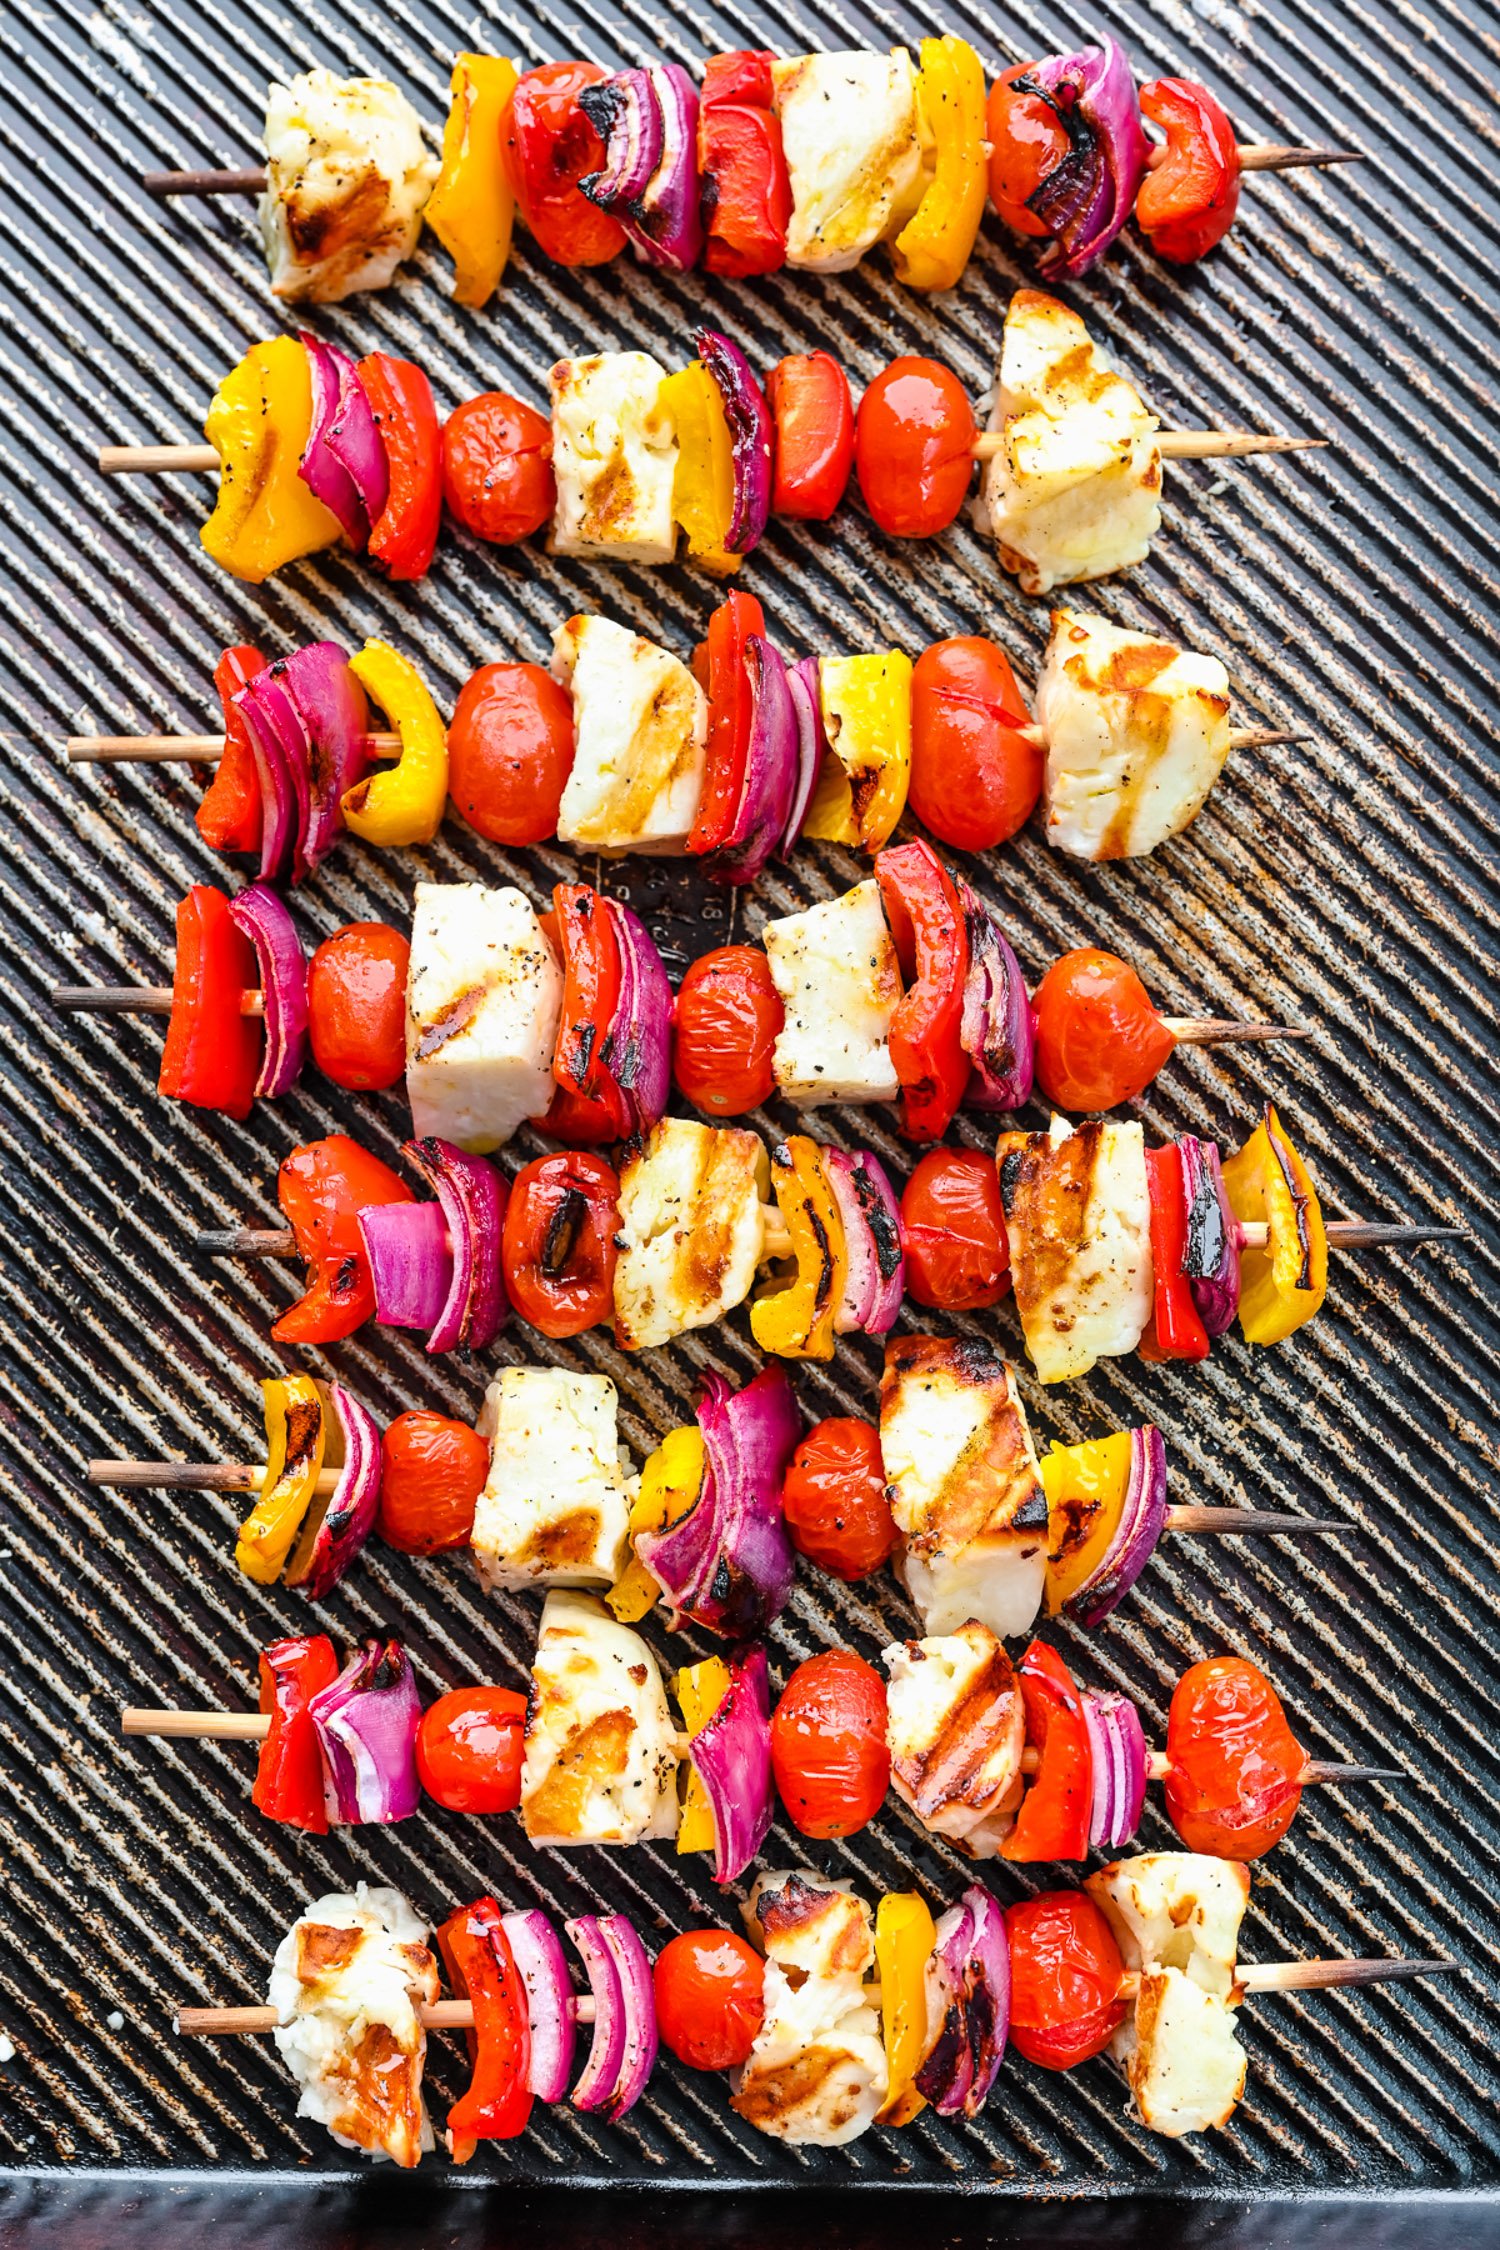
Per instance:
x=913, y=447
x=497, y=468
x=510, y=751
x=558, y=1243
x=710, y=1998
x=1028, y=141
x=1065, y=1972
x=431, y=1475
x=828, y=1745
x=1235, y=1777
x=469, y=1749
x=1099, y=1040
x=547, y=146
x=724, y=1027
x=975, y=778
x=812, y=414
x=953, y=1231
x=356, y=1000
x=834, y=1498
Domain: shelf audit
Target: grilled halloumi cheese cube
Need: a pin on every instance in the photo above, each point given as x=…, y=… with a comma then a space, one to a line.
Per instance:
x=483, y=996
x=693, y=1208
x=964, y=1485
x=1075, y=490
x=855, y=155
x=956, y=1727
x=1176, y=1910
x=835, y=967
x=1137, y=734
x=1180, y=2054
x=555, y=1509
x=1078, y=1222
x=614, y=456
x=1176, y=1918
x=346, y=1983
x=640, y=727
x=816, y=2075
x=347, y=178
x=600, y=1763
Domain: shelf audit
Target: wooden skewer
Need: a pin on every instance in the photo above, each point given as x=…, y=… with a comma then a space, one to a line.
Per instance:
x=1281, y=156
x=191, y=749
x=1240, y=738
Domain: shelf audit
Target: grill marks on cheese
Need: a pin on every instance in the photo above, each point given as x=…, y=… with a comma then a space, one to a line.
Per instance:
x=600, y=1763
x=614, y=455
x=856, y=153
x=816, y=2075
x=555, y=1509
x=692, y=1229
x=483, y=998
x=1078, y=1222
x=956, y=1728
x=640, y=725
x=347, y=178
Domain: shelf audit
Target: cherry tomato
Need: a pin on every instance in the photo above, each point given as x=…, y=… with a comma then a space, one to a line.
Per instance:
x=431, y=1475
x=1191, y=192
x=725, y=1025
x=975, y=778
x=497, y=468
x=469, y=1749
x=1099, y=1040
x=913, y=447
x=953, y=1231
x=510, y=751
x=356, y=999
x=1235, y=1778
x=813, y=417
x=828, y=1745
x=834, y=1498
x=1065, y=1972
x=558, y=1243
x=1028, y=141
x=547, y=146
x=710, y=1998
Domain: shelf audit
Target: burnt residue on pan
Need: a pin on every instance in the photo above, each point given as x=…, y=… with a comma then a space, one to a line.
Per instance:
x=1346, y=882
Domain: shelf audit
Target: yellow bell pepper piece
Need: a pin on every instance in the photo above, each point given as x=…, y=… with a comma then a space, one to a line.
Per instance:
x=1284, y=1284
x=670, y=1483
x=294, y=1458
x=473, y=208
x=404, y=803
x=904, y=1939
x=796, y=1322
x=700, y=1689
x=862, y=783
x=934, y=246
x=703, y=483
x=258, y=423
x=1085, y=1487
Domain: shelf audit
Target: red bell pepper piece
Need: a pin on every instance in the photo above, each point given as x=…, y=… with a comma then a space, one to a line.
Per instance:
x=229, y=812
x=289, y=1771
x=404, y=534
x=812, y=415
x=482, y=1970
x=928, y=927
x=212, y=1053
x=322, y=1189
x=747, y=191
x=1188, y=199
x=1053, y=1822
x=593, y=1104
x=720, y=663
x=1176, y=1330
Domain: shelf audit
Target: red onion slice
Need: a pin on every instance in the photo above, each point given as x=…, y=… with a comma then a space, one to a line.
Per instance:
x=638, y=2008
x=638, y=1044
x=807, y=702
x=731, y=1756
x=473, y=1196
x=749, y=419
x=969, y=2000
x=411, y=1265
x=367, y=1722
x=772, y=768
x=861, y=1270
x=649, y=123
x=1142, y=1520
x=997, y=1030
x=626, y=114
x=279, y=742
x=882, y=1213
x=1117, y=1745
x=336, y=720
x=549, y=2000
x=1087, y=199
x=601, y=2072
x=343, y=463
x=264, y=919
x=1211, y=1259
x=728, y=1564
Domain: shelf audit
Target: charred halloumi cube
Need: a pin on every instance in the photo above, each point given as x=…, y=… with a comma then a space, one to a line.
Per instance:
x=855, y=156
x=1180, y=2054
x=1078, y=1222
x=835, y=968
x=956, y=1728
x=1074, y=491
x=640, y=726
x=600, y=1763
x=693, y=1210
x=1137, y=734
x=483, y=996
x=1176, y=1910
x=347, y=1982
x=347, y=178
x=963, y=1484
x=555, y=1509
x=817, y=2073
x=614, y=456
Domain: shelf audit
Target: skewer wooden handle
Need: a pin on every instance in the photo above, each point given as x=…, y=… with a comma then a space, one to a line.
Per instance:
x=1284, y=156
x=132, y=1000
x=190, y=749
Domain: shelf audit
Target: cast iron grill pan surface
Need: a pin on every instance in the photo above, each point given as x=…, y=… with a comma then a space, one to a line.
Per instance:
x=1346, y=882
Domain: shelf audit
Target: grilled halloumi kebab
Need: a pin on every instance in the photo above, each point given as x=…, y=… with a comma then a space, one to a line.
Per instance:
x=348, y=176
x=817, y=2073
x=1078, y=1223
x=347, y=1982
x=600, y=1763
